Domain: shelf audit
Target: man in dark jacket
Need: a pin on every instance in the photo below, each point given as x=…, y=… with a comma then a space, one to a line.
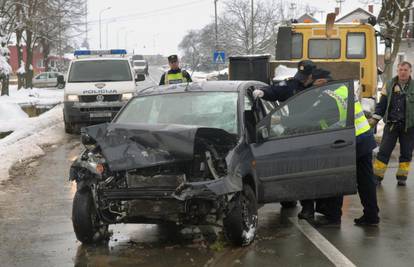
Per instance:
x=396, y=108
x=285, y=89
x=175, y=74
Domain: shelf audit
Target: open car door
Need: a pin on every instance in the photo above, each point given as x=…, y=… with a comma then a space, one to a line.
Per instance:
x=305, y=148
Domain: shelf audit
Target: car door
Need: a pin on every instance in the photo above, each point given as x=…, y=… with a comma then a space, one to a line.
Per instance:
x=40, y=80
x=305, y=149
x=52, y=80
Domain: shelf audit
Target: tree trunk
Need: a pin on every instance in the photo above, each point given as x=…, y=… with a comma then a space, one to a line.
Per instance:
x=46, y=52
x=19, y=47
x=5, y=85
x=29, y=59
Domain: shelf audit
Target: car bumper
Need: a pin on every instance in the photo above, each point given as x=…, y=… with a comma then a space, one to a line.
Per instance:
x=76, y=112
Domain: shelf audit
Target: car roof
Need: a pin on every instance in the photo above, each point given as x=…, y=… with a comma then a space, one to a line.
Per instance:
x=204, y=86
x=100, y=58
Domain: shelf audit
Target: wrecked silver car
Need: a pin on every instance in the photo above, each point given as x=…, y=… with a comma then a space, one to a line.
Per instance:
x=206, y=153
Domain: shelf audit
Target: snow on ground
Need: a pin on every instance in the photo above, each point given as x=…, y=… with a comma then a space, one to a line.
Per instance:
x=35, y=96
x=29, y=134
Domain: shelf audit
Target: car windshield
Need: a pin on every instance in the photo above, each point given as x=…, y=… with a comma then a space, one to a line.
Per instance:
x=210, y=109
x=100, y=71
x=139, y=63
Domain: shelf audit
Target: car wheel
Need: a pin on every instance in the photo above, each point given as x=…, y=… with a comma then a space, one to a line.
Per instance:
x=288, y=204
x=240, y=223
x=86, y=223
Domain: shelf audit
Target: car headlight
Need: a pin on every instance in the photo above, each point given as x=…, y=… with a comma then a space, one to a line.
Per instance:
x=127, y=96
x=73, y=98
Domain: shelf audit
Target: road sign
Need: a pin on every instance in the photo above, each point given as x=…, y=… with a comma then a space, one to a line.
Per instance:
x=219, y=57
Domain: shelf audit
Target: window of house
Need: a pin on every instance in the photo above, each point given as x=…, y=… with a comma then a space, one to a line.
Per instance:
x=39, y=63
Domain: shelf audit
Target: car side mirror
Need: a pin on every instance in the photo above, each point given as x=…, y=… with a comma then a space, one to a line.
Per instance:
x=140, y=77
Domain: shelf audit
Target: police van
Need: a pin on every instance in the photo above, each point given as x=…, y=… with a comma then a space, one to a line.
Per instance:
x=97, y=85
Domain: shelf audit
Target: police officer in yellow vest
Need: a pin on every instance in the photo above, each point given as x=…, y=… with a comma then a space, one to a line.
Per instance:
x=365, y=143
x=175, y=74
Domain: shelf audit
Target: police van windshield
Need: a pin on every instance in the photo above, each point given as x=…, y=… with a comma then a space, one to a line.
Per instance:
x=100, y=71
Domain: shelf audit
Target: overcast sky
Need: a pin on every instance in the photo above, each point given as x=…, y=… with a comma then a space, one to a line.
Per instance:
x=158, y=26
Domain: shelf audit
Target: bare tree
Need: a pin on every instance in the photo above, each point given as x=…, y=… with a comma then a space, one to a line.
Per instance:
x=391, y=18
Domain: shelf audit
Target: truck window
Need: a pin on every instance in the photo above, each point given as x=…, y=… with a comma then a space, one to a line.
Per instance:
x=297, y=45
x=100, y=71
x=323, y=48
x=355, y=45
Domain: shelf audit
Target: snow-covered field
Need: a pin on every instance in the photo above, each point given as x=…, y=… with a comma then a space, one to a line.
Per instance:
x=28, y=134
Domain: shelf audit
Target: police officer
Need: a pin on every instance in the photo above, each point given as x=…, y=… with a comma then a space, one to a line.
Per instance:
x=282, y=92
x=365, y=143
x=396, y=108
x=175, y=74
x=289, y=87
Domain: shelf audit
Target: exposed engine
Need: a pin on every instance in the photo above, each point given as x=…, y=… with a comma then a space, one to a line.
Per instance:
x=151, y=194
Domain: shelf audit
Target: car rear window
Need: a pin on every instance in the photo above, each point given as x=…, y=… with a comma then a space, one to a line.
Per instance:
x=100, y=71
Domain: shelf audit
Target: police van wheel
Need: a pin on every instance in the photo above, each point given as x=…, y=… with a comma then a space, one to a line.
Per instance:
x=240, y=223
x=288, y=204
x=69, y=128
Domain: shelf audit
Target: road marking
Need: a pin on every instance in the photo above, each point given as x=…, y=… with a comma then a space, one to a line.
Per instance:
x=329, y=250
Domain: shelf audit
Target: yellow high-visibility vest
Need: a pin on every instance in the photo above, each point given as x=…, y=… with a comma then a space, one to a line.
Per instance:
x=174, y=78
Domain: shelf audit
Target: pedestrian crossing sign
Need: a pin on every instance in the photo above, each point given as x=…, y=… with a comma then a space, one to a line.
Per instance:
x=219, y=57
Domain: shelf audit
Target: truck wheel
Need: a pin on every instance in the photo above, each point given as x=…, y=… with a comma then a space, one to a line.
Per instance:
x=288, y=204
x=240, y=223
x=86, y=223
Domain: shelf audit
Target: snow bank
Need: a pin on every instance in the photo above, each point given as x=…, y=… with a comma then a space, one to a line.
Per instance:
x=35, y=96
x=10, y=111
x=26, y=141
x=282, y=72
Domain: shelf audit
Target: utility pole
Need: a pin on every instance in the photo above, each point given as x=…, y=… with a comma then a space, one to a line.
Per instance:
x=100, y=26
x=252, y=29
x=216, y=27
x=340, y=4
x=86, y=23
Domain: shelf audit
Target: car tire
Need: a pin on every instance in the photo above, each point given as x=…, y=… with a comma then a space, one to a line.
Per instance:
x=288, y=204
x=86, y=224
x=240, y=223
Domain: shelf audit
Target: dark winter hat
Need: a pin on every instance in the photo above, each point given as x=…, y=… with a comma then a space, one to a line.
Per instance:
x=321, y=74
x=172, y=58
x=305, y=68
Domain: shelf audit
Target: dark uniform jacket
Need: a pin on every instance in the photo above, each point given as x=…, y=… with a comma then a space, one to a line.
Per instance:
x=283, y=90
x=396, y=103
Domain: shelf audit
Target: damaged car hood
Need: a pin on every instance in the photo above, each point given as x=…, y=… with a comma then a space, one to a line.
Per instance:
x=133, y=146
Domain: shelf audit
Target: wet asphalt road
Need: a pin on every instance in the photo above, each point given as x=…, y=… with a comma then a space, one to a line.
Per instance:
x=36, y=229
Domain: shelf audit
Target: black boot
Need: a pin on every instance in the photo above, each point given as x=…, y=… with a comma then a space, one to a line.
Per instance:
x=365, y=221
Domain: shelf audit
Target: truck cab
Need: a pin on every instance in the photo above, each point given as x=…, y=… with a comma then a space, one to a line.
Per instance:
x=97, y=85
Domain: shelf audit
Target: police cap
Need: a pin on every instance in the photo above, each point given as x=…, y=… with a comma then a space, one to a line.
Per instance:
x=305, y=68
x=172, y=58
